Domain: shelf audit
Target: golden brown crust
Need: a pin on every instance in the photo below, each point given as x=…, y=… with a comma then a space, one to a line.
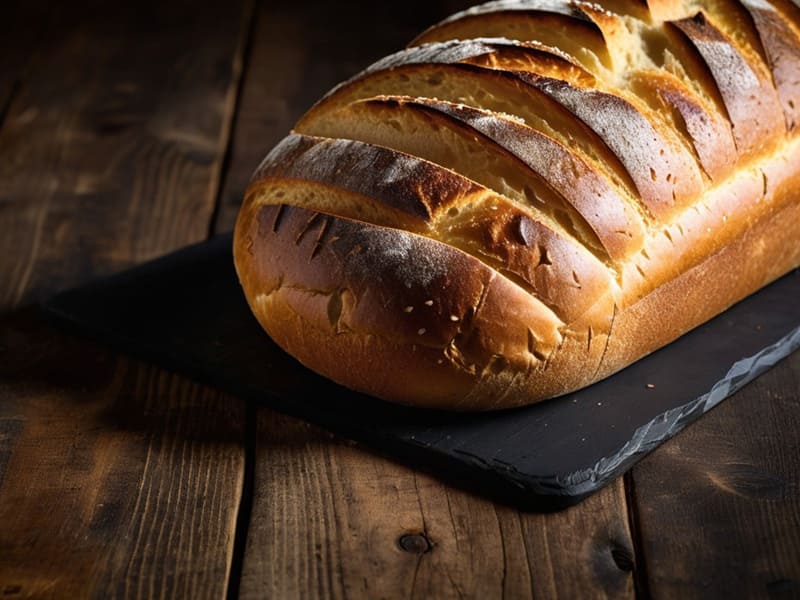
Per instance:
x=487, y=74
x=399, y=277
x=710, y=133
x=590, y=194
x=722, y=216
x=556, y=270
x=649, y=155
x=549, y=168
x=782, y=46
x=333, y=291
x=750, y=99
x=406, y=183
x=759, y=255
x=298, y=270
x=521, y=20
x=665, y=174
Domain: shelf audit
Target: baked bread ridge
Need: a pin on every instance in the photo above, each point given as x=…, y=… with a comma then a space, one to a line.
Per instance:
x=343, y=297
x=302, y=229
x=713, y=45
x=607, y=127
x=671, y=247
x=503, y=154
x=709, y=134
x=406, y=192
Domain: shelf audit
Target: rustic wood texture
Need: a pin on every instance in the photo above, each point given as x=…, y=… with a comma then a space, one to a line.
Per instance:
x=719, y=505
x=111, y=149
x=332, y=520
x=116, y=479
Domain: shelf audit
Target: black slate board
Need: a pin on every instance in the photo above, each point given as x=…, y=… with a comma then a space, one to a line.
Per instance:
x=186, y=312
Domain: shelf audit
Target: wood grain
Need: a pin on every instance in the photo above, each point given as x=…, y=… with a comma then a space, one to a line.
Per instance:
x=719, y=505
x=111, y=149
x=116, y=479
x=332, y=520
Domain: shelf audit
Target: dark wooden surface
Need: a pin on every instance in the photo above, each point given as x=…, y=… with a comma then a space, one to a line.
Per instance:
x=127, y=131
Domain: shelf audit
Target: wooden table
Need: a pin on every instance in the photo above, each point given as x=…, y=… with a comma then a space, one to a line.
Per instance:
x=129, y=131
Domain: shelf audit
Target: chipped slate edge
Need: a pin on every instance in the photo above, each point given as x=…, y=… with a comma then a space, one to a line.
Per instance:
x=646, y=438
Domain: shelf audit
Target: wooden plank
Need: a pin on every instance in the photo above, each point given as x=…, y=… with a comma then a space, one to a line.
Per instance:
x=718, y=506
x=332, y=520
x=116, y=479
x=111, y=152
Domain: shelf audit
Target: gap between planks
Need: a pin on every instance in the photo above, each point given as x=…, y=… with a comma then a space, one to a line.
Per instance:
x=245, y=509
x=641, y=586
x=233, y=106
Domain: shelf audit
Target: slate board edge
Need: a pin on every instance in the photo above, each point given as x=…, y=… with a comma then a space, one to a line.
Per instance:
x=669, y=423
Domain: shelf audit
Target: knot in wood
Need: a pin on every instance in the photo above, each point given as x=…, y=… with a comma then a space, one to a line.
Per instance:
x=415, y=543
x=622, y=558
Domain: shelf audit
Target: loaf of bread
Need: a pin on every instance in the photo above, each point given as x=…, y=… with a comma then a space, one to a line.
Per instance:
x=533, y=195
